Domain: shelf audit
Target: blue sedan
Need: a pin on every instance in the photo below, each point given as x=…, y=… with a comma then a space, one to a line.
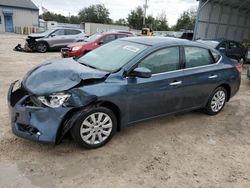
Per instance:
x=119, y=84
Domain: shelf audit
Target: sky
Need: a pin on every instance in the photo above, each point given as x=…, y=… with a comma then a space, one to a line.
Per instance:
x=120, y=8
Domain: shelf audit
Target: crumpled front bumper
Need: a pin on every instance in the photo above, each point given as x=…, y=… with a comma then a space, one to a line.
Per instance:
x=32, y=122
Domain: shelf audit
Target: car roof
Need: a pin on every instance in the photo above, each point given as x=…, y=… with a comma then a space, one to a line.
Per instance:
x=116, y=32
x=66, y=27
x=159, y=41
x=212, y=43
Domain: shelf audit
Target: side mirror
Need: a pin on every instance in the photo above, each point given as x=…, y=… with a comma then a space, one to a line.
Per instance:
x=52, y=35
x=141, y=72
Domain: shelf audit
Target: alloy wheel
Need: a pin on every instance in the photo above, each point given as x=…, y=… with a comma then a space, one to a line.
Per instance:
x=41, y=47
x=218, y=101
x=96, y=128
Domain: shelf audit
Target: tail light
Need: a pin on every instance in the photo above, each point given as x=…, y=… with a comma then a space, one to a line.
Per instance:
x=239, y=67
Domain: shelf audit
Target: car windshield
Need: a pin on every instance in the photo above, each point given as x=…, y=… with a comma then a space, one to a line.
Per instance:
x=112, y=56
x=211, y=43
x=93, y=37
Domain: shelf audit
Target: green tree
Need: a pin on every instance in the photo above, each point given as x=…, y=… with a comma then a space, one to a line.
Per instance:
x=121, y=21
x=49, y=16
x=162, y=22
x=135, y=18
x=151, y=22
x=95, y=13
x=186, y=20
x=74, y=20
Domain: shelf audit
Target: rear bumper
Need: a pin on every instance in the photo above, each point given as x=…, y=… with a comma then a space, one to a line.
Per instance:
x=34, y=123
x=235, y=86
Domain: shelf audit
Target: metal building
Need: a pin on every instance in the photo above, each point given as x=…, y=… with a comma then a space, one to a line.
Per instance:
x=18, y=15
x=229, y=19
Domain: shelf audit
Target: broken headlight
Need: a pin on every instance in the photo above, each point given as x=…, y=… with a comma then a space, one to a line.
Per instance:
x=55, y=100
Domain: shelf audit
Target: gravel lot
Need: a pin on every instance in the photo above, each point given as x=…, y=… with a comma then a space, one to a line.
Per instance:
x=189, y=150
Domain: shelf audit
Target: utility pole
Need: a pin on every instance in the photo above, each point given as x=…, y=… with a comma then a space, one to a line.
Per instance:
x=145, y=6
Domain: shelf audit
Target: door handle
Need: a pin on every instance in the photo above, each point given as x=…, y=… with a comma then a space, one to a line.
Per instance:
x=176, y=83
x=213, y=76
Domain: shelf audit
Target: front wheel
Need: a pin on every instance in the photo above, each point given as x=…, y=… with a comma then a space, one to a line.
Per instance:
x=41, y=47
x=216, y=101
x=95, y=128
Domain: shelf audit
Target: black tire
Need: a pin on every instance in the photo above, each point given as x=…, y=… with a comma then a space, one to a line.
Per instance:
x=79, y=125
x=42, y=47
x=210, y=108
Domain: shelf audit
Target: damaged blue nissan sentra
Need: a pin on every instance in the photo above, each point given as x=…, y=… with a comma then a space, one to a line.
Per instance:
x=119, y=84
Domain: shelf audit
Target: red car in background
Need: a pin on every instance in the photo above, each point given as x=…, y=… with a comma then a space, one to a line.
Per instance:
x=94, y=41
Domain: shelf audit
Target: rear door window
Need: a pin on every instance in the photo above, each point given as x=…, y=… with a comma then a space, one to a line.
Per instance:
x=233, y=45
x=196, y=57
x=72, y=32
x=108, y=38
x=121, y=36
x=161, y=61
x=222, y=45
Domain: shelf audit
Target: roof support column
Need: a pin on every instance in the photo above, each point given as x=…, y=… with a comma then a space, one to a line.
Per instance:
x=197, y=20
x=228, y=22
x=209, y=20
x=219, y=21
x=237, y=23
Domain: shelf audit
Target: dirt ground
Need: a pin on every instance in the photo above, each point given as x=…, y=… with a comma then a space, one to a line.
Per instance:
x=189, y=150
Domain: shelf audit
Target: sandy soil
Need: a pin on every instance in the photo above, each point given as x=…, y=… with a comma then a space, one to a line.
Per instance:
x=189, y=150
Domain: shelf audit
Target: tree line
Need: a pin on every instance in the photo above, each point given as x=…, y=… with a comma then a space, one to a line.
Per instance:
x=100, y=14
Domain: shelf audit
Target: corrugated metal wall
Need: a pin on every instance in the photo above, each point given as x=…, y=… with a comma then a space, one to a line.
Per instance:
x=21, y=18
x=219, y=21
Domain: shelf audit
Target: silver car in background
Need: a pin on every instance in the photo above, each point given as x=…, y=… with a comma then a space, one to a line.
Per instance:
x=54, y=39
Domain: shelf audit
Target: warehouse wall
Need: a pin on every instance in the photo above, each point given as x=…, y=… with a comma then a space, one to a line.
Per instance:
x=217, y=21
x=1, y=21
x=21, y=18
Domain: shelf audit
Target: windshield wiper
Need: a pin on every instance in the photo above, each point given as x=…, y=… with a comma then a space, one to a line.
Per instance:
x=87, y=65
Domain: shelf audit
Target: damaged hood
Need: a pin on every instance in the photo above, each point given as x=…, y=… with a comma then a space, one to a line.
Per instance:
x=36, y=35
x=59, y=75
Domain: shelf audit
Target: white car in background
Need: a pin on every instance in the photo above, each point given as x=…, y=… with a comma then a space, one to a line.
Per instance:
x=54, y=39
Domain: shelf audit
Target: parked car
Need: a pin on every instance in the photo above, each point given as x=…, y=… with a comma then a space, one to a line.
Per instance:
x=230, y=48
x=248, y=60
x=248, y=54
x=187, y=35
x=94, y=41
x=248, y=73
x=119, y=84
x=55, y=39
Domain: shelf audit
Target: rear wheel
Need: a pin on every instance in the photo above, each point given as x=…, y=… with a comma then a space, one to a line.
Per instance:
x=95, y=128
x=41, y=47
x=216, y=101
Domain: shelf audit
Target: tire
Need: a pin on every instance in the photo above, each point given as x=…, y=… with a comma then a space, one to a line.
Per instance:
x=216, y=101
x=88, y=133
x=42, y=47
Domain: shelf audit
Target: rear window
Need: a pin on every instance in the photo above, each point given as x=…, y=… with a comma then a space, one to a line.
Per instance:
x=216, y=56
